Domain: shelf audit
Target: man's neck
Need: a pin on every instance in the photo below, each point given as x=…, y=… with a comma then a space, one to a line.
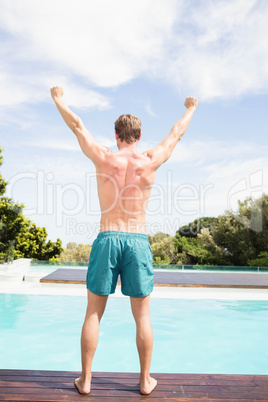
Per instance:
x=128, y=147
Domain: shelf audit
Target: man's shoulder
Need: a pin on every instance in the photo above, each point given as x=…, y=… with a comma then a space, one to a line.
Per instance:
x=147, y=154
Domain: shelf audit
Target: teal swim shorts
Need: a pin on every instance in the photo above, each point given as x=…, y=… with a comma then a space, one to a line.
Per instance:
x=126, y=254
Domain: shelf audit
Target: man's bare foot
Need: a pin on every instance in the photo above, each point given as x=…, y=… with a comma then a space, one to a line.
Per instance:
x=147, y=386
x=82, y=386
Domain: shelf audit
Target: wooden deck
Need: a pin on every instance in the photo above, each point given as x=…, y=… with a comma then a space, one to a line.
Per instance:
x=178, y=278
x=27, y=385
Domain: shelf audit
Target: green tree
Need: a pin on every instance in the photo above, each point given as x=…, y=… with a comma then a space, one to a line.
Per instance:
x=245, y=234
x=261, y=261
x=230, y=239
x=19, y=236
x=164, y=251
x=217, y=255
x=3, y=183
x=191, y=251
x=12, y=225
x=193, y=229
x=33, y=244
x=256, y=214
x=76, y=253
x=158, y=237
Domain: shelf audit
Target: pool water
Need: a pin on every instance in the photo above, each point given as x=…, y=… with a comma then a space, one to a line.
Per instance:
x=190, y=336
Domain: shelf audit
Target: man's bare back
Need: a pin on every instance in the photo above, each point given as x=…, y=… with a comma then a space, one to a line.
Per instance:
x=125, y=177
x=124, y=182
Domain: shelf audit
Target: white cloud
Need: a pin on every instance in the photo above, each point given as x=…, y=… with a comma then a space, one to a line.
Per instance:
x=107, y=43
x=17, y=89
x=227, y=170
x=208, y=152
x=64, y=168
x=67, y=144
x=56, y=144
x=76, y=95
x=223, y=51
x=212, y=49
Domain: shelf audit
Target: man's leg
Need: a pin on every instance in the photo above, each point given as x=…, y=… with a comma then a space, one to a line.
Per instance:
x=141, y=311
x=89, y=339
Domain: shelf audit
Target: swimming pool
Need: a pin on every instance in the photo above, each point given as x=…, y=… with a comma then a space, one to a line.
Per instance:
x=191, y=336
x=47, y=267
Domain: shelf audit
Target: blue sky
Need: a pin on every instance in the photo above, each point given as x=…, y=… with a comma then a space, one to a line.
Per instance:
x=143, y=58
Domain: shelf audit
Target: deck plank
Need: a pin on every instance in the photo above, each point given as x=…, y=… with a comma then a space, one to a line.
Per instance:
x=164, y=383
x=42, y=385
x=122, y=385
x=177, y=279
x=37, y=397
x=216, y=393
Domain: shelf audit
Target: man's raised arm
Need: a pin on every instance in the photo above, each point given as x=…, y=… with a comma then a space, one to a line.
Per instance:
x=87, y=143
x=163, y=151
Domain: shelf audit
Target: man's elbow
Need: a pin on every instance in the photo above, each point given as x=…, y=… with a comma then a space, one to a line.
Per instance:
x=177, y=132
x=76, y=125
x=73, y=127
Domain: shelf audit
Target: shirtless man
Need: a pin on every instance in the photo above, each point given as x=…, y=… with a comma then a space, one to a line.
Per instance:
x=124, y=181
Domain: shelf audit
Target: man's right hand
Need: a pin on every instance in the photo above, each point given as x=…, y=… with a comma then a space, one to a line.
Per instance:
x=190, y=102
x=56, y=92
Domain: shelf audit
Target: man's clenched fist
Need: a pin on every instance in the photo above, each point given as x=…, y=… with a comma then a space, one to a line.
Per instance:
x=56, y=92
x=190, y=102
